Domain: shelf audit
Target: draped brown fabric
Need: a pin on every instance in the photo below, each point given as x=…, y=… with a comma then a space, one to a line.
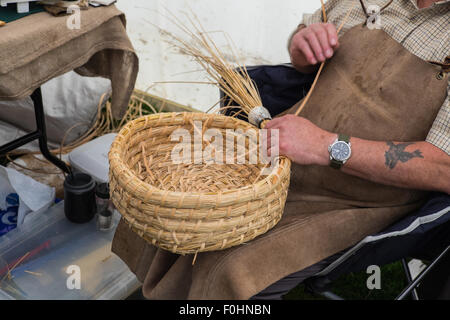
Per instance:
x=40, y=47
x=373, y=89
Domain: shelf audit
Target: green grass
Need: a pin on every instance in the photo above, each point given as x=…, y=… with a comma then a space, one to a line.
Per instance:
x=353, y=286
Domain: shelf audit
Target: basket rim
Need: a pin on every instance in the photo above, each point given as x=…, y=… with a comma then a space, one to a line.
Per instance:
x=282, y=166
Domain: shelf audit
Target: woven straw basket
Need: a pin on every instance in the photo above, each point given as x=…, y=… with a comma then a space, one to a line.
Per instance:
x=191, y=208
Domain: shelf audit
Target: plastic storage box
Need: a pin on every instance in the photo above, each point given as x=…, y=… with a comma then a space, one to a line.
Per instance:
x=47, y=254
x=92, y=157
x=23, y=6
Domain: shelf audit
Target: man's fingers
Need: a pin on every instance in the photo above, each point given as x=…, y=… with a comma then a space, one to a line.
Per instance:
x=332, y=35
x=267, y=139
x=273, y=123
x=314, y=43
x=306, y=50
x=322, y=36
x=273, y=148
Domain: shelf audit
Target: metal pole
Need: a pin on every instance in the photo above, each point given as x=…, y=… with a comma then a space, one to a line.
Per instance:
x=409, y=278
x=331, y=296
x=41, y=128
x=419, y=278
x=13, y=145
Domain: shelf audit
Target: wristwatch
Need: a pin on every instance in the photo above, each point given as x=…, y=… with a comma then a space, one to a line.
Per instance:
x=340, y=151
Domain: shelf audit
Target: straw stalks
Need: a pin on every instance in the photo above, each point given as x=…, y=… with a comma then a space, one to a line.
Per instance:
x=104, y=123
x=8, y=274
x=196, y=42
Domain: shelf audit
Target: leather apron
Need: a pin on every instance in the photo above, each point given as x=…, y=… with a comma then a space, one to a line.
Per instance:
x=373, y=89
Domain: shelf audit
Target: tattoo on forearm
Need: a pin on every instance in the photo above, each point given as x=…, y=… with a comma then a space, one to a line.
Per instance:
x=397, y=153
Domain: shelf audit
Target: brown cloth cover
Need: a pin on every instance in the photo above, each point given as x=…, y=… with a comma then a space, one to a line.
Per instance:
x=373, y=89
x=40, y=47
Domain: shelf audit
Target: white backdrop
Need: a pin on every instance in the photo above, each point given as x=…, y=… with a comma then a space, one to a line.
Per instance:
x=259, y=29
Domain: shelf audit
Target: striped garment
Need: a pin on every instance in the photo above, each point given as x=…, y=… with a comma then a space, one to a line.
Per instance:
x=423, y=32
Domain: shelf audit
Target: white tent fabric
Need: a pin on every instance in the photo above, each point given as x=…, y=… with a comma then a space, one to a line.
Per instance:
x=259, y=30
x=69, y=100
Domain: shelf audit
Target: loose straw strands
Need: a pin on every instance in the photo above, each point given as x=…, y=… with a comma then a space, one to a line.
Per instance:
x=234, y=81
x=37, y=274
x=103, y=124
x=324, y=12
x=8, y=274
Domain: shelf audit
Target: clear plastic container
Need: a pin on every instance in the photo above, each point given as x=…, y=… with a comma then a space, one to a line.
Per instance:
x=46, y=248
x=105, y=207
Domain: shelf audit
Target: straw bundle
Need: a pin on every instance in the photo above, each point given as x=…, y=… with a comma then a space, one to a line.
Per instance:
x=231, y=77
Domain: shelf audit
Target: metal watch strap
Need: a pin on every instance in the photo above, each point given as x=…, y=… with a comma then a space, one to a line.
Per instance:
x=335, y=164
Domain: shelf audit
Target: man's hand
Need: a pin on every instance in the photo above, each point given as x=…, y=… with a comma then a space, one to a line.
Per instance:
x=312, y=45
x=412, y=165
x=300, y=140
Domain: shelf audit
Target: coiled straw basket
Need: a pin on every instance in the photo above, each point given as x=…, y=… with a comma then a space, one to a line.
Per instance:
x=191, y=208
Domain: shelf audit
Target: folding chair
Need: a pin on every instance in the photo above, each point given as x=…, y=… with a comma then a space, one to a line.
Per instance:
x=424, y=234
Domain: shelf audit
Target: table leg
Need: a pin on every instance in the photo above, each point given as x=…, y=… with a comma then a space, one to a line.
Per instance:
x=40, y=134
x=41, y=128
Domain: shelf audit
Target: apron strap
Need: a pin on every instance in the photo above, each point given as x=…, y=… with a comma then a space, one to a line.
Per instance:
x=365, y=9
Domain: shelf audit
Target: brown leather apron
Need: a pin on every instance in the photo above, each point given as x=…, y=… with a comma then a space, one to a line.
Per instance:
x=373, y=89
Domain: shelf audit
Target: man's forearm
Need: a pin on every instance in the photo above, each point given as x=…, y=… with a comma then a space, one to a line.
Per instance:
x=417, y=165
x=407, y=165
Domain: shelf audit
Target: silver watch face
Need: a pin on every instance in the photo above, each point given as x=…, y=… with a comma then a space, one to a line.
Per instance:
x=340, y=151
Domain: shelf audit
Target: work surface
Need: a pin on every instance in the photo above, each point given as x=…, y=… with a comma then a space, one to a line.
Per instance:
x=40, y=47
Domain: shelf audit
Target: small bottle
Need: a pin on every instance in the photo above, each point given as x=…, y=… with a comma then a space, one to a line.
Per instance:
x=104, y=207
